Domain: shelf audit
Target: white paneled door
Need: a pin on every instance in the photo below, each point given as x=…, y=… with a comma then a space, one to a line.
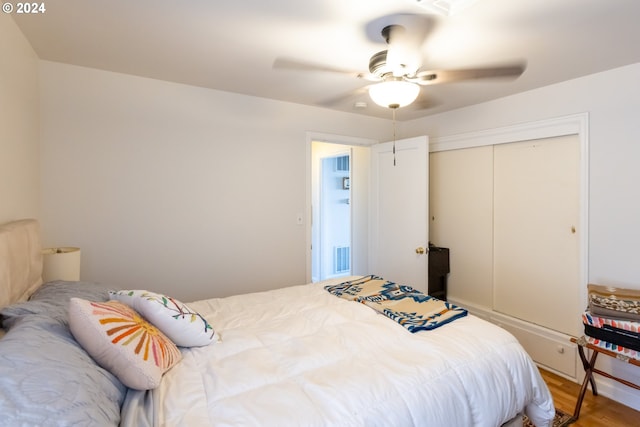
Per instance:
x=399, y=211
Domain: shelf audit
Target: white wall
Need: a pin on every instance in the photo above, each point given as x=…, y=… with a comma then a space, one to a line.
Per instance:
x=19, y=125
x=184, y=190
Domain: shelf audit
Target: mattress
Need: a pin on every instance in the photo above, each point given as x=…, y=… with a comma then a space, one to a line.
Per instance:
x=301, y=356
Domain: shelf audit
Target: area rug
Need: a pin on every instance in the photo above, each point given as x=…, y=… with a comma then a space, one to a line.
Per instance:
x=560, y=420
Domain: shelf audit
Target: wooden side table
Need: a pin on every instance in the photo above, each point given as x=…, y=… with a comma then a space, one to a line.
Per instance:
x=590, y=369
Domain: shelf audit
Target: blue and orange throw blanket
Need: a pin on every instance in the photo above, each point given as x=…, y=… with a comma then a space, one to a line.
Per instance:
x=407, y=306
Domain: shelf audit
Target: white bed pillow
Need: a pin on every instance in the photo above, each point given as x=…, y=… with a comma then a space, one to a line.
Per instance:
x=122, y=342
x=184, y=326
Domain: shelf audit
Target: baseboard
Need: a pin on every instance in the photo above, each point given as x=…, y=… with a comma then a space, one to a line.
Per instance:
x=614, y=390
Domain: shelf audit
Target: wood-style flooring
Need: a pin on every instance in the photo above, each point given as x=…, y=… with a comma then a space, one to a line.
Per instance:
x=597, y=411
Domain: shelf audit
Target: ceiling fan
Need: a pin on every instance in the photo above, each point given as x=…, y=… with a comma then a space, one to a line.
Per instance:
x=397, y=73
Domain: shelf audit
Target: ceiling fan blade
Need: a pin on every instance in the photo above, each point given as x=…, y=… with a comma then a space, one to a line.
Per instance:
x=296, y=64
x=341, y=99
x=446, y=76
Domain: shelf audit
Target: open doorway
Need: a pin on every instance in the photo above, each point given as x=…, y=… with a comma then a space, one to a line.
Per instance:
x=373, y=206
x=334, y=219
x=339, y=210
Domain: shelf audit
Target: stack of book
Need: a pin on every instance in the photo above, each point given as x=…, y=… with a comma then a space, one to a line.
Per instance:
x=612, y=320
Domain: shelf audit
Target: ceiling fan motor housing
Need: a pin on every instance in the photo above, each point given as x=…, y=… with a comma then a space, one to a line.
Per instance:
x=378, y=64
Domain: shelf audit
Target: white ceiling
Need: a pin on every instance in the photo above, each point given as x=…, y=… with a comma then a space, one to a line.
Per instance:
x=231, y=45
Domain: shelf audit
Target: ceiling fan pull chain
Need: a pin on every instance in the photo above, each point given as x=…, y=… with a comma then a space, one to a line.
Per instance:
x=394, y=136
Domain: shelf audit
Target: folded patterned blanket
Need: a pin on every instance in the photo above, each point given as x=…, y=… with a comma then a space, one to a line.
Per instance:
x=407, y=306
x=613, y=302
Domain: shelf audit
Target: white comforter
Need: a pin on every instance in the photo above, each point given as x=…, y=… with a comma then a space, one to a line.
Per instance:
x=300, y=356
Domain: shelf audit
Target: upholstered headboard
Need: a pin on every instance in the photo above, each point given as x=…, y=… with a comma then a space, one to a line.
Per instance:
x=20, y=260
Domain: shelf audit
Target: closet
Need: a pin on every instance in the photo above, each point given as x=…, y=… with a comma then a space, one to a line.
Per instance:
x=510, y=206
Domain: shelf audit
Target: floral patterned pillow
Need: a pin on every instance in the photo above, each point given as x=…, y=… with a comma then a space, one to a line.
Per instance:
x=122, y=342
x=184, y=326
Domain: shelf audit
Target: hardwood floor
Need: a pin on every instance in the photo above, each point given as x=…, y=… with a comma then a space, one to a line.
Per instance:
x=597, y=411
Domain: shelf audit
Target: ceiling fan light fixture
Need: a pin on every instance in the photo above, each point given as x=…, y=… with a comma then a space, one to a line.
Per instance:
x=394, y=93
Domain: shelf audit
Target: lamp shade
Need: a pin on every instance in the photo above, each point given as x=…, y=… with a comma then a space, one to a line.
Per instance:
x=394, y=93
x=61, y=264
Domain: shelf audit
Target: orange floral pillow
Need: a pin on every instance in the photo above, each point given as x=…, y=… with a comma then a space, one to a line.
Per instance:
x=123, y=342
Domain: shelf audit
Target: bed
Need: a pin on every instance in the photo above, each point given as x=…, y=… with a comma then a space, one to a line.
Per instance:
x=298, y=355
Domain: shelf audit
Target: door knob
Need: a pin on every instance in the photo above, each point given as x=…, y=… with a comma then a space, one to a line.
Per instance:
x=420, y=250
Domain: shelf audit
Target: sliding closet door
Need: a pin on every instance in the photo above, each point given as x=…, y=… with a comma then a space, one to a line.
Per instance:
x=536, y=234
x=461, y=219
